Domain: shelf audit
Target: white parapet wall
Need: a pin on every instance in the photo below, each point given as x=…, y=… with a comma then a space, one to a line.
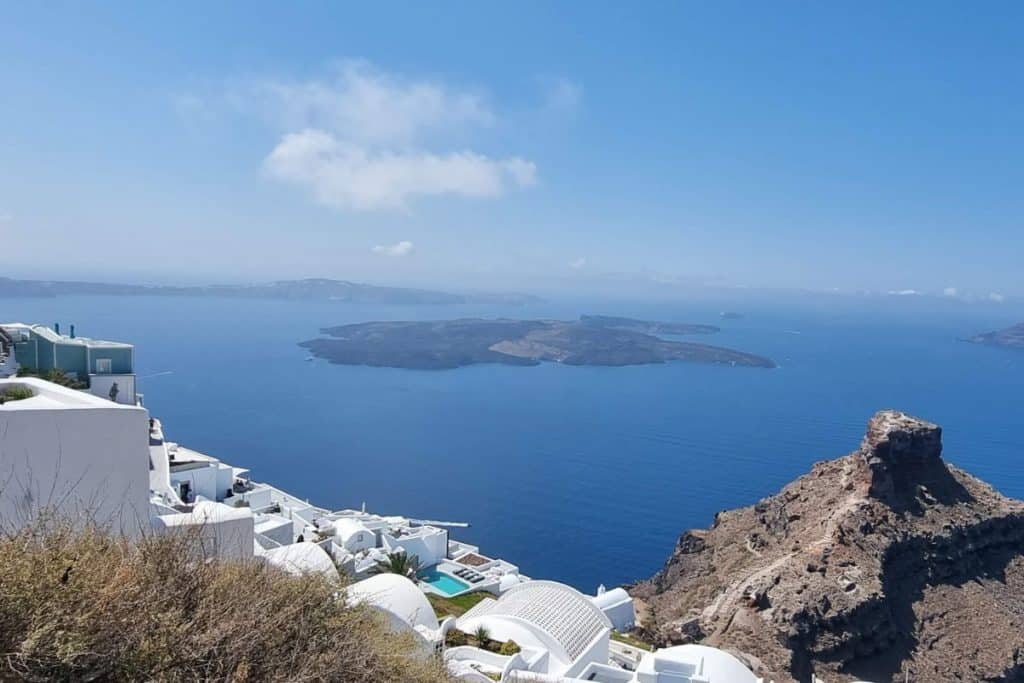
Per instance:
x=82, y=455
x=120, y=388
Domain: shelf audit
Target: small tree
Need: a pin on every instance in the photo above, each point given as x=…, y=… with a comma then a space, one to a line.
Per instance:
x=398, y=563
x=482, y=635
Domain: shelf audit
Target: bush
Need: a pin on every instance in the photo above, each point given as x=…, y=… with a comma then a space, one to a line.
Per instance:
x=509, y=648
x=455, y=638
x=55, y=375
x=83, y=605
x=15, y=393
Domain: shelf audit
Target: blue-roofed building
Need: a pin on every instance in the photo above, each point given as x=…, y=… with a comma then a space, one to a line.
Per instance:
x=107, y=368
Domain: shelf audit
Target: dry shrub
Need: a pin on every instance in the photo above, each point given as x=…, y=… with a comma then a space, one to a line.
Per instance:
x=79, y=604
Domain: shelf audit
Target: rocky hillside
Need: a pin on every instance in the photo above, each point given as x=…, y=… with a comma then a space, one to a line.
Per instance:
x=884, y=562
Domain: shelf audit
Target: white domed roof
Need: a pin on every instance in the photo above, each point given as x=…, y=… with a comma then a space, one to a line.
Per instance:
x=403, y=602
x=716, y=666
x=302, y=558
x=611, y=598
x=346, y=528
x=508, y=581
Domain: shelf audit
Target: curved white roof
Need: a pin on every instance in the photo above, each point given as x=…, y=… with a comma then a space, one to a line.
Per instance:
x=716, y=666
x=302, y=558
x=398, y=597
x=562, y=612
x=615, y=596
x=507, y=581
x=345, y=528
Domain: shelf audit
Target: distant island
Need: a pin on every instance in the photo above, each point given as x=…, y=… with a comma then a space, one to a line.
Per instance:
x=1011, y=337
x=309, y=289
x=591, y=340
x=730, y=315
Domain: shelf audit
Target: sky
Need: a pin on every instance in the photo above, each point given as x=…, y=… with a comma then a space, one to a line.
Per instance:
x=819, y=146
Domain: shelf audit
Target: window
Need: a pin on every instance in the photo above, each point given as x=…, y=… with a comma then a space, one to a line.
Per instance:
x=103, y=366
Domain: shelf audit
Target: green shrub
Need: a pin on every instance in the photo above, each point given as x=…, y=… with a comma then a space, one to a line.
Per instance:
x=55, y=375
x=456, y=638
x=509, y=648
x=15, y=393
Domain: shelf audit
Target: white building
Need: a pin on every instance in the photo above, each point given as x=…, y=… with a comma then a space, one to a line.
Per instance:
x=617, y=605
x=222, y=531
x=105, y=367
x=78, y=453
x=693, y=664
x=558, y=629
x=428, y=543
x=353, y=535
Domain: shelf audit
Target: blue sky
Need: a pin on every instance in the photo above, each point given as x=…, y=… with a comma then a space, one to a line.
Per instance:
x=672, y=145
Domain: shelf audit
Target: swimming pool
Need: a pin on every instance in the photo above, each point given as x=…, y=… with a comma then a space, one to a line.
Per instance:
x=443, y=583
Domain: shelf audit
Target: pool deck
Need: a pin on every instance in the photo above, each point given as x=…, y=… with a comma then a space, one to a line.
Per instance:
x=447, y=569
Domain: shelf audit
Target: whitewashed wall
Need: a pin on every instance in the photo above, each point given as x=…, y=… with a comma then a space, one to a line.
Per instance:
x=79, y=453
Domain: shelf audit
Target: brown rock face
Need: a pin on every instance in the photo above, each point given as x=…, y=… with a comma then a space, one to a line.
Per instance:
x=882, y=563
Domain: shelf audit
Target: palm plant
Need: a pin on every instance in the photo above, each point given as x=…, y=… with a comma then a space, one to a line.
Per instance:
x=482, y=635
x=398, y=563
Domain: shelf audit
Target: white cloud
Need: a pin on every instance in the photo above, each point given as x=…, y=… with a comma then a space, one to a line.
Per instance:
x=347, y=175
x=996, y=297
x=365, y=104
x=6, y=217
x=403, y=248
x=579, y=263
x=950, y=291
x=904, y=292
x=365, y=140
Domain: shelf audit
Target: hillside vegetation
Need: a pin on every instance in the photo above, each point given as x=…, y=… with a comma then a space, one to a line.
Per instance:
x=83, y=605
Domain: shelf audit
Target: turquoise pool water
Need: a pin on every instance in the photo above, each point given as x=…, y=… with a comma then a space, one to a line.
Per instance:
x=448, y=585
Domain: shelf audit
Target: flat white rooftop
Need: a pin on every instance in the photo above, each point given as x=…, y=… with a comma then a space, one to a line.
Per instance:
x=51, y=336
x=50, y=396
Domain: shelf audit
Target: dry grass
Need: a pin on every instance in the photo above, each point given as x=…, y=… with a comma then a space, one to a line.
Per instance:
x=82, y=605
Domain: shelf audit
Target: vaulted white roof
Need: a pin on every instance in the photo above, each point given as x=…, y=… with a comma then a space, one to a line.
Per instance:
x=346, y=527
x=396, y=596
x=615, y=596
x=302, y=558
x=562, y=612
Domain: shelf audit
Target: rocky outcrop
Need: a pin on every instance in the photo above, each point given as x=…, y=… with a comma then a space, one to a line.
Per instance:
x=885, y=563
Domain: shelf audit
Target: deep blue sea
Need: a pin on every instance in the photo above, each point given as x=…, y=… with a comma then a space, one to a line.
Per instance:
x=584, y=475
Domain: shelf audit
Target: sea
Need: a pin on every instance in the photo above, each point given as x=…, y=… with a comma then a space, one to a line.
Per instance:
x=585, y=475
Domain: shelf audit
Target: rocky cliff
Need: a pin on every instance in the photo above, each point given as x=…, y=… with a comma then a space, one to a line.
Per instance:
x=885, y=563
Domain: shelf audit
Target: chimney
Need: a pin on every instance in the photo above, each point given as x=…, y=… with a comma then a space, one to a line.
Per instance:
x=56, y=328
x=72, y=331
